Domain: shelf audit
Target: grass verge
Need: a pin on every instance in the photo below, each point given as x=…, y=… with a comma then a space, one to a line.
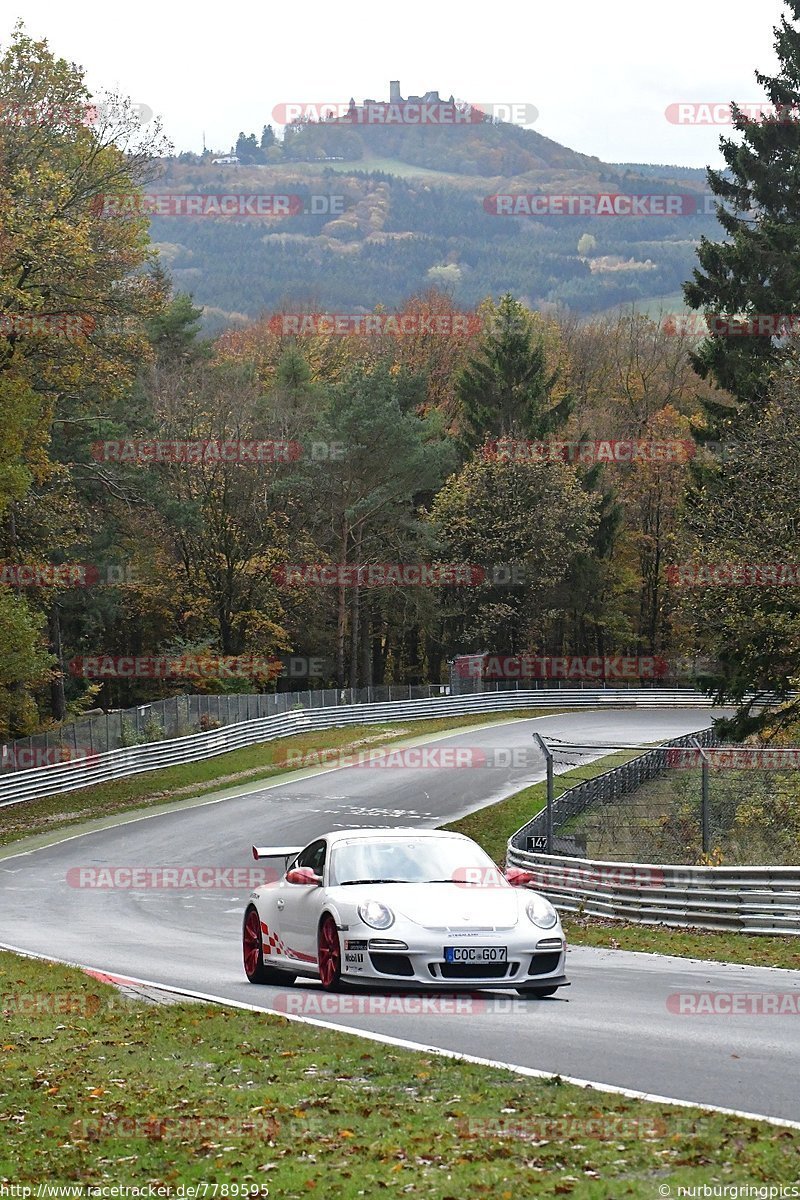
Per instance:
x=711, y=944
x=265, y=761
x=100, y=1089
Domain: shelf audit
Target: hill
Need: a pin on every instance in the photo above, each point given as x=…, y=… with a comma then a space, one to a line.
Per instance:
x=409, y=209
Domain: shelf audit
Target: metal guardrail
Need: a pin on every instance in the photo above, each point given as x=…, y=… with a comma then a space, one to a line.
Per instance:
x=744, y=899
x=184, y=715
x=133, y=760
x=763, y=900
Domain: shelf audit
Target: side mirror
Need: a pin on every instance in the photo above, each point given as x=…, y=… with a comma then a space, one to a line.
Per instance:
x=519, y=878
x=305, y=876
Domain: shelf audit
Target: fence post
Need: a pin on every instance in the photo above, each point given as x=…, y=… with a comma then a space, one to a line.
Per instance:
x=548, y=757
x=704, y=806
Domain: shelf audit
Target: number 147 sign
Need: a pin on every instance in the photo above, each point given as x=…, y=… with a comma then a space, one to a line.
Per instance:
x=536, y=845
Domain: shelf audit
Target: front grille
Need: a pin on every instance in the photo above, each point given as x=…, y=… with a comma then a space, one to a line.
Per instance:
x=474, y=970
x=544, y=964
x=392, y=964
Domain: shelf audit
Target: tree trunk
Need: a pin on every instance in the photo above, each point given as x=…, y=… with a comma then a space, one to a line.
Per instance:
x=378, y=656
x=341, y=623
x=355, y=616
x=58, y=703
x=366, y=646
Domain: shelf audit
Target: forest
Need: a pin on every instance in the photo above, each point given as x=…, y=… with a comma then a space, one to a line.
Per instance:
x=395, y=500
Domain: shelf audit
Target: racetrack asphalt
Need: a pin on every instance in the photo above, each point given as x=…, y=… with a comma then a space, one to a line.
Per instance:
x=616, y=1024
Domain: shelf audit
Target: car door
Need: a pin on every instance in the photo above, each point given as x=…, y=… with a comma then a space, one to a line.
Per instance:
x=300, y=905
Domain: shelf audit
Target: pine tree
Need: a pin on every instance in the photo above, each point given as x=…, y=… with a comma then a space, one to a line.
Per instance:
x=504, y=389
x=757, y=269
x=174, y=331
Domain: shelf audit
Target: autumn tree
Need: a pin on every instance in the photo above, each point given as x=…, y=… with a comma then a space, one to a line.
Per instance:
x=70, y=293
x=522, y=523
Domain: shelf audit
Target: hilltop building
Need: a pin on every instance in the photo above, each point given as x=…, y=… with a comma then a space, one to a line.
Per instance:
x=411, y=110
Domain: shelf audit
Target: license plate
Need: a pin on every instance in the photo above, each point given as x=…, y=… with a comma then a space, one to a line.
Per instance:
x=476, y=954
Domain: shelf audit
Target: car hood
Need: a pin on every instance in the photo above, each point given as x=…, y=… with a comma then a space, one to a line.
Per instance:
x=442, y=905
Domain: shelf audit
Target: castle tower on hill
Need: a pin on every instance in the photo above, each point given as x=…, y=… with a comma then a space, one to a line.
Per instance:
x=396, y=98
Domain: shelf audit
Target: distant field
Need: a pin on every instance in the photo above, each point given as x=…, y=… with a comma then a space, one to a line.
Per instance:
x=313, y=170
x=656, y=307
x=391, y=166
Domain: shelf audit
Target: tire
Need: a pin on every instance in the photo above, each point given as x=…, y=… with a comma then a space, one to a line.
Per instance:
x=253, y=953
x=329, y=954
x=538, y=992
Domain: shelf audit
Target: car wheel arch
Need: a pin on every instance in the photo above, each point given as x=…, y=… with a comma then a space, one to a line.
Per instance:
x=330, y=911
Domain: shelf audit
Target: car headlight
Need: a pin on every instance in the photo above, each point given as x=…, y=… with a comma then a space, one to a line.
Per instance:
x=541, y=912
x=377, y=915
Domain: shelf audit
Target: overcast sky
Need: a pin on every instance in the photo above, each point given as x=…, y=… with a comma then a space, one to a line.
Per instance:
x=600, y=75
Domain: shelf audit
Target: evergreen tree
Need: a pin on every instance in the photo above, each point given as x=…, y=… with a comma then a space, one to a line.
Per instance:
x=247, y=150
x=504, y=389
x=173, y=332
x=750, y=632
x=757, y=270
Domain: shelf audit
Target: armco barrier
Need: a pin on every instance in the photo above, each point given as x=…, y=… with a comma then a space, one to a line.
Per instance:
x=744, y=899
x=188, y=713
x=133, y=760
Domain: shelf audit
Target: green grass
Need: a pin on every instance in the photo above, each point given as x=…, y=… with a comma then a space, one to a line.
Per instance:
x=239, y=767
x=710, y=944
x=391, y=166
x=315, y=170
x=99, y=1089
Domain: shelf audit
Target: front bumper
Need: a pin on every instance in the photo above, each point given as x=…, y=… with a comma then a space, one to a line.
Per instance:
x=388, y=961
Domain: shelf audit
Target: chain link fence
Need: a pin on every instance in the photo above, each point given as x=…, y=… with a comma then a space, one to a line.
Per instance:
x=180, y=716
x=737, y=807
x=562, y=826
x=696, y=802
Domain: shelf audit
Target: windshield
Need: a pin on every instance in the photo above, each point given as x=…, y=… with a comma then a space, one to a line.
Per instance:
x=413, y=860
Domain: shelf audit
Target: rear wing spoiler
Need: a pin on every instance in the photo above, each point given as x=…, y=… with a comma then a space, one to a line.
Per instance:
x=275, y=851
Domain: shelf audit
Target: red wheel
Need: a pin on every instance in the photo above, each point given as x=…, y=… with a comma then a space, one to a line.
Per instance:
x=329, y=954
x=253, y=953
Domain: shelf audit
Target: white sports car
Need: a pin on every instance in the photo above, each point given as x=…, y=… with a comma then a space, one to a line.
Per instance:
x=404, y=908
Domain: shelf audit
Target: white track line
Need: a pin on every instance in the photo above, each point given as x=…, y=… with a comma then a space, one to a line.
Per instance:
x=405, y=1044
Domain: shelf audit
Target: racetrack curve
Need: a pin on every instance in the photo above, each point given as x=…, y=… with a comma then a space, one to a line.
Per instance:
x=613, y=1025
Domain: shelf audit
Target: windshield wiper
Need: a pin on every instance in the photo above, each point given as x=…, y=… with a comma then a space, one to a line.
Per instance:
x=460, y=882
x=349, y=882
